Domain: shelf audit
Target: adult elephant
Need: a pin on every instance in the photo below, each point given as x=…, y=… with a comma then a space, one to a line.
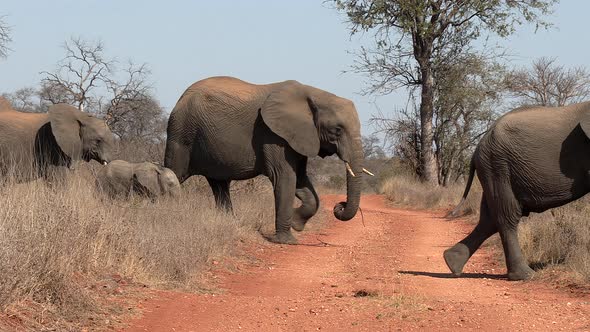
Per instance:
x=120, y=178
x=34, y=144
x=532, y=159
x=227, y=129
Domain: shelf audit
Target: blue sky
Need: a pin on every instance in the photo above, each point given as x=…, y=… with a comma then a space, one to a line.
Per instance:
x=258, y=41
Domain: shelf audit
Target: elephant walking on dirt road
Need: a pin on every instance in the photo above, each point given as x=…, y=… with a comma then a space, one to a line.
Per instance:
x=227, y=129
x=532, y=159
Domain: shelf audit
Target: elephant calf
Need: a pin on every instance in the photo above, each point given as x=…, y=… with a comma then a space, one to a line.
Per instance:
x=120, y=178
x=531, y=160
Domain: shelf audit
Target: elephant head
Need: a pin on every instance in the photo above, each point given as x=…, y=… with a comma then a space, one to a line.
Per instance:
x=154, y=180
x=315, y=122
x=81, y=135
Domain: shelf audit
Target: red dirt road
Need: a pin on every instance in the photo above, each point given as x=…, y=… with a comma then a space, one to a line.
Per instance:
x=385, y=276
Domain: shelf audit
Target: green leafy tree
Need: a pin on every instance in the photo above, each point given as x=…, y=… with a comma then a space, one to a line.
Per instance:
x=468, y=96
x=414, y=37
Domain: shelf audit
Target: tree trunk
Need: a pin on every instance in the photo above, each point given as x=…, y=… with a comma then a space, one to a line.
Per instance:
x=427, y=160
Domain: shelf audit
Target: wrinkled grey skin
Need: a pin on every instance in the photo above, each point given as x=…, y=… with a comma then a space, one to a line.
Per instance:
x=34, y=145
x=227, y=129
x=120, y=178
x=531, y=160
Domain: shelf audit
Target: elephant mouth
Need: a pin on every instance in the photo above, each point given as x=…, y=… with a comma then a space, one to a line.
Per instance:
x=88, y=156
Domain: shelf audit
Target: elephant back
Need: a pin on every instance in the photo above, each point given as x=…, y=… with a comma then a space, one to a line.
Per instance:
x=5, y=105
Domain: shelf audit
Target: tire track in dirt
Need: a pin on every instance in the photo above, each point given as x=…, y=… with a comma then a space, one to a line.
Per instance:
x=385, y=276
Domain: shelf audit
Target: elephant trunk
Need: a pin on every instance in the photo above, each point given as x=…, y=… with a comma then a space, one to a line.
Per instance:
x=347, y=210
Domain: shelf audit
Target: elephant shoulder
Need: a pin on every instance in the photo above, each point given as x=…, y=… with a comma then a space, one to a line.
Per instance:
x=22, y=120
x=217, y=89
x=118, y=169
x=221, y=83
x=5, y=105
x=509, y=124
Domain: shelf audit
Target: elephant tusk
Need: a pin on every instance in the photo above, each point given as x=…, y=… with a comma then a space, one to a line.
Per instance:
x=104, y=163
x=368, y=172
x=349, y=170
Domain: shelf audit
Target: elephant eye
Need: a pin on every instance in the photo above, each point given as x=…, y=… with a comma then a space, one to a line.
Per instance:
x=336, y=131
x=334, y=134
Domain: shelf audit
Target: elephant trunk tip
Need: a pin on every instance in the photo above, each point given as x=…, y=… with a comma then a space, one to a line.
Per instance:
x=341, y=213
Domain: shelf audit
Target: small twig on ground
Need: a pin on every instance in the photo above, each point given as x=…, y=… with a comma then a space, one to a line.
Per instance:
x=362, y=216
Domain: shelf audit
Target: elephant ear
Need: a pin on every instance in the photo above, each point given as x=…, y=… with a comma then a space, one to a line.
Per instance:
x=290, y=113
x=65, y=126
x=147, y=180
x=585, y=124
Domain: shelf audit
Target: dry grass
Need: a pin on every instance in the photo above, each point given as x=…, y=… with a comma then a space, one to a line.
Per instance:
x=559, y=237
x=51, y=234
x=408, y=191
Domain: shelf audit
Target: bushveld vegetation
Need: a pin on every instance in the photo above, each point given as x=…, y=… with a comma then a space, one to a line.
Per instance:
x=60, y=240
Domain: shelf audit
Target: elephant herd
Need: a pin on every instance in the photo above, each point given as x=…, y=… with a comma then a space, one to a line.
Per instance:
x=225, y=129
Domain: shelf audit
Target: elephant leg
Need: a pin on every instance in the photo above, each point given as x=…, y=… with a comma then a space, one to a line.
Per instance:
x=309, y=203
x=457, y=256
x=508, y=213
x=284, y=183
x=518, y=269
x=177, y=158
x=220, y=190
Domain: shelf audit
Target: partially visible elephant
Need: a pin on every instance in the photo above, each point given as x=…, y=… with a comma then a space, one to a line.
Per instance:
x=120, y=178
x=227, y=129
x=32, y=144
x=532, y=159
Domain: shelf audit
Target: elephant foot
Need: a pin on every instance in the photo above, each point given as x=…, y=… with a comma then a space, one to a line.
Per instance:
x=301, y=216
x=523, y=272
x=298, y=223
x=456, y=257
x=282, y=238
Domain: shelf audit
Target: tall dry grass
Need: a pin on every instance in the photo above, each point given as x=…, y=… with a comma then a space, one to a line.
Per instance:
x=559, y=237
x=406, y=190
x=51, y=233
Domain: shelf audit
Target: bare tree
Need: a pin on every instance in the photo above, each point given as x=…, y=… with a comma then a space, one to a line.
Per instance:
x=78, y=74
x=132, y=112
x=55, y=93
x=413, y=36
x=402, y=135
x=548, y=84
x=372, y=148
x=5, y=38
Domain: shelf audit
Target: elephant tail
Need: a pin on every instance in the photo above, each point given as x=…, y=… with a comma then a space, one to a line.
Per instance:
x=455, y=212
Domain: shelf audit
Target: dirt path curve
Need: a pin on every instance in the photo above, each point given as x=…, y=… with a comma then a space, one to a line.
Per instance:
x=388, y=275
